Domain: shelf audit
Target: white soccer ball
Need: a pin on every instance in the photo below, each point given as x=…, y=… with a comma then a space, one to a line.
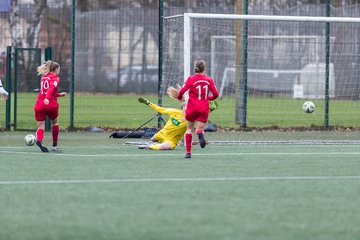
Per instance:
x=30, y=139
x=309, y=107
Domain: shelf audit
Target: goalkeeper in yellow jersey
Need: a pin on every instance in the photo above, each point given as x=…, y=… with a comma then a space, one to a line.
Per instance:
x=173, y=131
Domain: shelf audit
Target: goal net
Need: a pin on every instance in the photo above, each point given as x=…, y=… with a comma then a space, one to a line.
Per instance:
x=266, y=67
x=312, y=48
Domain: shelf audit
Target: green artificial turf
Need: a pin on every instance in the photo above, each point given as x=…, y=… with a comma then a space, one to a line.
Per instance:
x=101, y=188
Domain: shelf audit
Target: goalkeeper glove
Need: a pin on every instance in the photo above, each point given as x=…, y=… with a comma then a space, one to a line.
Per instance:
x=144, y=101
x=213, y=105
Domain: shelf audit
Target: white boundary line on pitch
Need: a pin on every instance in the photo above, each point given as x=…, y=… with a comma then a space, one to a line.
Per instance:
x=147, y=180
x=58, y=154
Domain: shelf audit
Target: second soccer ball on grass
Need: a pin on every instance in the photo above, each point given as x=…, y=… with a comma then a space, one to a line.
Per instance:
x=308, y=107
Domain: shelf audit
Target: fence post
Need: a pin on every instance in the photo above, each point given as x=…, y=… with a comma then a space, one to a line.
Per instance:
x=161, y=29
x=241, y=87
x=48, y=56
x=72, y=76
x=327, y=65
x=8, y=86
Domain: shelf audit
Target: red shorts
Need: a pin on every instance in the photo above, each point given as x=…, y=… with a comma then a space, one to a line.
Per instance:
x=42, y=110
x=196, y=115
x=197, y=111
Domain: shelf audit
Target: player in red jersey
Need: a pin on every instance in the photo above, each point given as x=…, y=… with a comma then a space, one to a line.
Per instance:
x=47, y=104
x=201, y=90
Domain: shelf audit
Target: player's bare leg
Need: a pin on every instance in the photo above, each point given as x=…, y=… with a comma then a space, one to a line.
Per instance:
x=160, y=146
x=40, y=136
x=164, y=146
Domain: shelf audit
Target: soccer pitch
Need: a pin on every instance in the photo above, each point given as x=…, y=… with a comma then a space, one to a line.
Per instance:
x=101, y=188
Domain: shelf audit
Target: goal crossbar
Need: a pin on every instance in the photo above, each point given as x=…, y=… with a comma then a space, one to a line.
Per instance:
x=272, y=18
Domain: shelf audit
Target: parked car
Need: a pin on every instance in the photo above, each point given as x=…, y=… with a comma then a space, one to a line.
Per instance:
x=136, y=78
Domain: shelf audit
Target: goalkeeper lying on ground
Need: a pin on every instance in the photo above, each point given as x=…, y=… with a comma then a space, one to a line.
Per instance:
x=173, y=131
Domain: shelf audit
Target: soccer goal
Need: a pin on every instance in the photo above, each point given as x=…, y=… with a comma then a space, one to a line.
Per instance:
x=291, y=79
x=266, y=67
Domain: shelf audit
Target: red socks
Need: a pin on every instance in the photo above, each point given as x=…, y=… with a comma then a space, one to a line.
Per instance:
x=55, y=134
x=188, y=142
x=40, y=134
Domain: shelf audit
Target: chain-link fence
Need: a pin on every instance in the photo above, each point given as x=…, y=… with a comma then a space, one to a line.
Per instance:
x=114, y=49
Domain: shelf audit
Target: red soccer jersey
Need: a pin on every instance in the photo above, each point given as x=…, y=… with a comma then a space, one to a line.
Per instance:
x=200, y=86
x=49, y=88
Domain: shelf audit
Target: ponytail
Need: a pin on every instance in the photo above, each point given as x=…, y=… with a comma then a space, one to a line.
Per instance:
x=47, y=66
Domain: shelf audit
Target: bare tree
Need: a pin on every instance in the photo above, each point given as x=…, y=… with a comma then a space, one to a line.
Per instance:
x=15, y=25
x=27, y=62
